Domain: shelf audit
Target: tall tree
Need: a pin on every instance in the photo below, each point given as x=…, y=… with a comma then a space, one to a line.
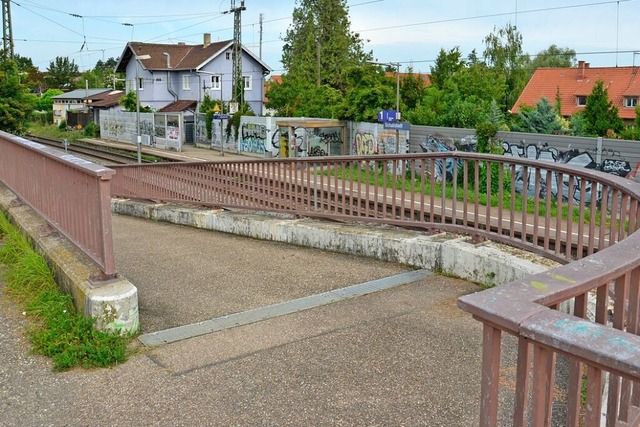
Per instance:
x=319, y=44
x=503, y=52
x=62, y=73
x=600, y=115
x=554, y=56
x=16, y=104
x=447, y=64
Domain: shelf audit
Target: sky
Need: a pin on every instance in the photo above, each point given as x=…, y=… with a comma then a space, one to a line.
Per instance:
x=410, y=32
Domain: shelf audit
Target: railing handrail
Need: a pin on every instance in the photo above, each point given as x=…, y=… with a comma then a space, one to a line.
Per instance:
x=71, y=193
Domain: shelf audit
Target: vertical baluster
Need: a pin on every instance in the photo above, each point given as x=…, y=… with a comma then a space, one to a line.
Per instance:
x=423, y=183
x=490, y=376
x=512, y=207
x=603, y=217
x=443, y=193
x=476, y=195
x=593, y=207
x=454, y=187
x=536, y=207
x=569, y=235
x=367, y=179
x=581, y=218
x=432, y=188
x=525, y=202
x=412, y=189
x=465, y=192
x=547, y=210
x=522, y=383
x=574, y=389
x=500, y=196
x=543, y=386
x=593, y=408
x=613, y=216
x=559, y=205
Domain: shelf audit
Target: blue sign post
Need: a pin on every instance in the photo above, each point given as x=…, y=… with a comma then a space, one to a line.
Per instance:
x=387, y=116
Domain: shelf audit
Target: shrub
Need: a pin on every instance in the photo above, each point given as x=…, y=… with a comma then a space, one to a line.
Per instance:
x=92, y=130
x=63, y=125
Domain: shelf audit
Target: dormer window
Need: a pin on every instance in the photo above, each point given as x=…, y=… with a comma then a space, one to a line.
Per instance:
x=630, y=101
x=581, y=101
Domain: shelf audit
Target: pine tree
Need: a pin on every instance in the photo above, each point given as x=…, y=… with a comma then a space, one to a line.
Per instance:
x=600, y=114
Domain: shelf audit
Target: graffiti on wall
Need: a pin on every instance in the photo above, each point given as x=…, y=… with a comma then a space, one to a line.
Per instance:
x=253, y=138
x=614, y=164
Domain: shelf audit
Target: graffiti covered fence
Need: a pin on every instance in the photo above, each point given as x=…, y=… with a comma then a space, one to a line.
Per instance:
x=161, y=130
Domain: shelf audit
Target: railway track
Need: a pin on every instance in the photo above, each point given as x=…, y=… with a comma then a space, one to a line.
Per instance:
x=101, y=155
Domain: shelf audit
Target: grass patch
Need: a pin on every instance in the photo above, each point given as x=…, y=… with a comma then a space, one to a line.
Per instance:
x=57, y=330
x=52, y=131
x=410, y=184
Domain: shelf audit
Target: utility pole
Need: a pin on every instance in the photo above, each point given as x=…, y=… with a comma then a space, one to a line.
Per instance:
x=261, y=21
x=7, y=33
x=238, y=81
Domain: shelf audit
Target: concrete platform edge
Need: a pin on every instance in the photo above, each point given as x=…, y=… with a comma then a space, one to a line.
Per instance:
x=114, y=303
x=486, y=264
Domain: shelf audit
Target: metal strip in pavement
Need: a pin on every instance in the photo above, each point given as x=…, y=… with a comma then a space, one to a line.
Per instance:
x=167, y=336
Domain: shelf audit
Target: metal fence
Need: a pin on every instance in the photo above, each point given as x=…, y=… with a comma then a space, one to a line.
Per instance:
x=72, y=194
x=580, y=217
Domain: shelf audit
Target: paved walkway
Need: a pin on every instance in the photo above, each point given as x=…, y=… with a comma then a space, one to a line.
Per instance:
x=401, y=356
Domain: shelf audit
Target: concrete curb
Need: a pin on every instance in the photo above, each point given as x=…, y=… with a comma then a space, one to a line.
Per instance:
x=488, y=263
x=114, y=303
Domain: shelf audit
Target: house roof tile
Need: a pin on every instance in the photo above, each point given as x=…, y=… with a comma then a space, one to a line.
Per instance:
x=569, y=83
x=170, y=57
x=178, y=106
x=105, y=100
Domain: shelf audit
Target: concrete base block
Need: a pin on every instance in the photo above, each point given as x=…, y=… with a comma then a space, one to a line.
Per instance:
x=113, y=303
x=487, y=264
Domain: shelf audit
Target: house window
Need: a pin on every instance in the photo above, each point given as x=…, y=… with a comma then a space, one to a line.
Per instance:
x=631, y=101
x=581, y=101
x=227, y=56
x=247, y=82
x=216, y=82
x=186, y=82
x=140, y=83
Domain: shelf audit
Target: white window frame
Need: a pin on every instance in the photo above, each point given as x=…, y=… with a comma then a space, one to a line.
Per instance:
x=216, y=82
x=579, y=98
x=227, y=56
x=247, y=82
x=186, y=82
x=630, y=101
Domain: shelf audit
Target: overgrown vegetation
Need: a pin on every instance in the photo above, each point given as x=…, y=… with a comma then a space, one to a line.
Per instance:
x=57, y=330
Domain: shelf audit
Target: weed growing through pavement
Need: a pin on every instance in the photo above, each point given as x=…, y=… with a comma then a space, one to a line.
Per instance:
x=57, y=330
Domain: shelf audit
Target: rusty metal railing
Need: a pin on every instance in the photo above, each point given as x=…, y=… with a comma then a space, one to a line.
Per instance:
x=72, y=194
x=582, y=218
x=563, y=218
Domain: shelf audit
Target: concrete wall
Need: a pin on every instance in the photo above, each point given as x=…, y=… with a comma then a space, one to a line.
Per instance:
x=487, y=263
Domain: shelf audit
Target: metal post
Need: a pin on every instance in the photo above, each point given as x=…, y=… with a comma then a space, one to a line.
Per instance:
x=139, y=138
x=397, y=64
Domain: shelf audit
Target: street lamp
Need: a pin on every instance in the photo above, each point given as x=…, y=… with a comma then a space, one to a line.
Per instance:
x=139, y=58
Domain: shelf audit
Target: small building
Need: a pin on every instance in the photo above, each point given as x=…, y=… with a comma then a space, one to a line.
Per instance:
x=75, y=101
x=573, y=85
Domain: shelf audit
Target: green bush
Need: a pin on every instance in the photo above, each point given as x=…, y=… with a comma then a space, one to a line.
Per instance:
x=92, y=130
x=63, y=125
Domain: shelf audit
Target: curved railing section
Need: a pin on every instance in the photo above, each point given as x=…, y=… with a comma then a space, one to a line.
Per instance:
x=585, y=313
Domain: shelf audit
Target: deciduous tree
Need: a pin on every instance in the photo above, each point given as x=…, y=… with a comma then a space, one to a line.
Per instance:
x=503, y=52
x=62, y=73
x=16, y=104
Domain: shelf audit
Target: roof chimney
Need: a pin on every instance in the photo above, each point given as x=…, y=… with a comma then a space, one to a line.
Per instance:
x=207, y=40
x=581, y=66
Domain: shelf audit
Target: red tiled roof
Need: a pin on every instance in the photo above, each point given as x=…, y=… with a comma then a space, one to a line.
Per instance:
x=620, y=82
x=178, y=106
